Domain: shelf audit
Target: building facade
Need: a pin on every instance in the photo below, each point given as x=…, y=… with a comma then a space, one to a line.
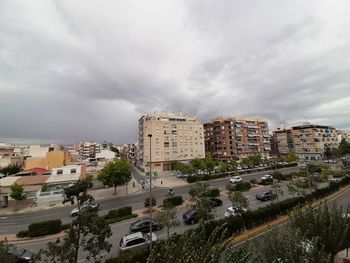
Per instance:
x=88, y=149
x=307, y=141
x=282, y=142
x=231, y=137
x=175, y=137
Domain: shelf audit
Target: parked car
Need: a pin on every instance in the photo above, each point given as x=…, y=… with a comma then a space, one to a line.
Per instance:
x=87, y=206
x=216, y=201
x=190, y=217
x=136, y=241
x=235, y=179
x=265, y=196
x=142, y=225
x=266, y=177
x=22, y=255
x=239, y=168
x=233, y=211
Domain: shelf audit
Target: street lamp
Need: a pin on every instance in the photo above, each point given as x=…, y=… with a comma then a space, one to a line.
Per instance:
x=150, y=190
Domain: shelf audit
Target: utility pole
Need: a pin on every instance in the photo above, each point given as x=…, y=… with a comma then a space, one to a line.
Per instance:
x=150, y=190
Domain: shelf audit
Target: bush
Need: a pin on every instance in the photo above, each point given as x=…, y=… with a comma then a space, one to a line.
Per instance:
x=130, y=257
x=278, y=175
x=253, y=181
x=120, y=212
x=213, y=192
x=231, y=187
x=65, y=226
x=266, y=182
x=338, y=173
x=22, y=233
x=45, y=228
x=173, y=201
x=119, y=219
x=150, y=201
x=245, y=186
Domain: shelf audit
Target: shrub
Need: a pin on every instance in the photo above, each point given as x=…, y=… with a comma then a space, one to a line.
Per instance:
x=245, y=186
x=338, y=173
x=120, y=212
x=253, y=181
x=119, y=219
x=213, y=192
x=45, y=228
x=192, y=179
x=22, y=233
x=278, y=175
x=130, y=257
x=266, y=182
x=44, y=188
x=65, y=226
x=173, y=201
x=231, y=187
x=150, y=201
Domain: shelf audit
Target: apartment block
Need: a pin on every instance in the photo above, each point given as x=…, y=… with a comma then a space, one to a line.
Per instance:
x=308, y=141
x=235, y=136
x=88, y=149
x=282, y=141
x=175, y=137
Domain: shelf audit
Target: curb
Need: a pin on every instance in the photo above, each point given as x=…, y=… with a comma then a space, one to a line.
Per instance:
x=281, y=220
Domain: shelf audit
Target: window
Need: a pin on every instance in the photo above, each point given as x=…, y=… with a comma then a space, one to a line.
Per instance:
x=174, y=144
x=73, y=171
x=60, y=171
x=135, y=242
x=166, y=144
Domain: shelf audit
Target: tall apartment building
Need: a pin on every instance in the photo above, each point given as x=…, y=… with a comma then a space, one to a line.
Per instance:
x=308, y=141
x=175, y=137
x=234, y=136
x=87, y=149
x=282, y=141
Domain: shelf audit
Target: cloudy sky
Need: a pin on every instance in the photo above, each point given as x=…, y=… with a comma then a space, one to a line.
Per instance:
x=88, y=70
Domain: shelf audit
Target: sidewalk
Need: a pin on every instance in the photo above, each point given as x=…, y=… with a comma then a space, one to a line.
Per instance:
x=100, y=194
x=168, y=181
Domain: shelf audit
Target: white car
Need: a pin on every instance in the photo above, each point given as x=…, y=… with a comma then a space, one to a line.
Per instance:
x=235, y=179
x=233, y=211
x=136, y=241
x=91, y=206
x=266, y=177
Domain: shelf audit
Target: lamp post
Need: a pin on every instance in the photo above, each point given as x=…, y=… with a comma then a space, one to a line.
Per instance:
x=150, y=190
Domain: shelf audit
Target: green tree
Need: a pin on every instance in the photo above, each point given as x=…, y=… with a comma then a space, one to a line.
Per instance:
x=4, y=255
x=288, y=245
x=328, y=224
x=149, y=201
x=17, y=193
x=276, y=189
x=239, y=201
x=11, y=169
x=78, y=192
x=291, y=158
x=209, y=162
x=202, y=203
x=167, y=217
x=88, y=233
x=116, y=172
x=197, y=164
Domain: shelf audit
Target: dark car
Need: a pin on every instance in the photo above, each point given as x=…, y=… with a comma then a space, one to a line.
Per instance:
x=216, y=202
x=265, y=196
x=190, y=217
x=22, y=255
x=143, y=226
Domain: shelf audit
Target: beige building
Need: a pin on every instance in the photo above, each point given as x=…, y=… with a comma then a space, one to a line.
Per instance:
x=235, y=136
x=175, y=137
x=308, y=141
x=52, y=159
x=87, y=149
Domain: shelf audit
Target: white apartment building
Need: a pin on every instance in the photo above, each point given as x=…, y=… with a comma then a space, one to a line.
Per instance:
x=175, y=137
x=88, y=149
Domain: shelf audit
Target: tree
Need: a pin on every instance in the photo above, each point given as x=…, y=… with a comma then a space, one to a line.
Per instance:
x=202, y=203
x=116, y=172
x=4, y=255
x=167, y=217
x=17, y=193
x=88, y=233
x=11, y=169
x=239, y=201
x=149, y=201
x=209, y=162
x=276, y=189
x=197, y=164
x=327, y=224
x=288, y=245
x=78, y=192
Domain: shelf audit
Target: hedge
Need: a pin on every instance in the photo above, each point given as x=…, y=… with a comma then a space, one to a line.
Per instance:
x=130, y=257
x=44, y=228
x=213, y=192
x=266, y=182
x=118, y=219
x=120, y=212
x=173, y=201
x=243, y=186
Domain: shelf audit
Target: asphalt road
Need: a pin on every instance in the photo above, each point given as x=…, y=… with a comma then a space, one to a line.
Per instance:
x=12, y=224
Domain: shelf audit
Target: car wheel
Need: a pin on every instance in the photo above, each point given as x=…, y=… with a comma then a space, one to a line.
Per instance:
x=74, y=214
x=192, y=222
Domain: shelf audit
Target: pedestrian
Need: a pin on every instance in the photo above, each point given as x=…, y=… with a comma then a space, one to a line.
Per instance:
x=133, y=183
x=34, y=202
x=161, y=182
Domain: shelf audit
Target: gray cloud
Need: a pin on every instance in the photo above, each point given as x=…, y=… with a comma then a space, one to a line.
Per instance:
x=71, y=71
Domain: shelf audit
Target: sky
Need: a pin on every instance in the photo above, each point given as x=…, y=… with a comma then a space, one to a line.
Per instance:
x=88, y=70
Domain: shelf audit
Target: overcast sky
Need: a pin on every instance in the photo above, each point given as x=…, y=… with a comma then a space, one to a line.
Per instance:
x=87, y=70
